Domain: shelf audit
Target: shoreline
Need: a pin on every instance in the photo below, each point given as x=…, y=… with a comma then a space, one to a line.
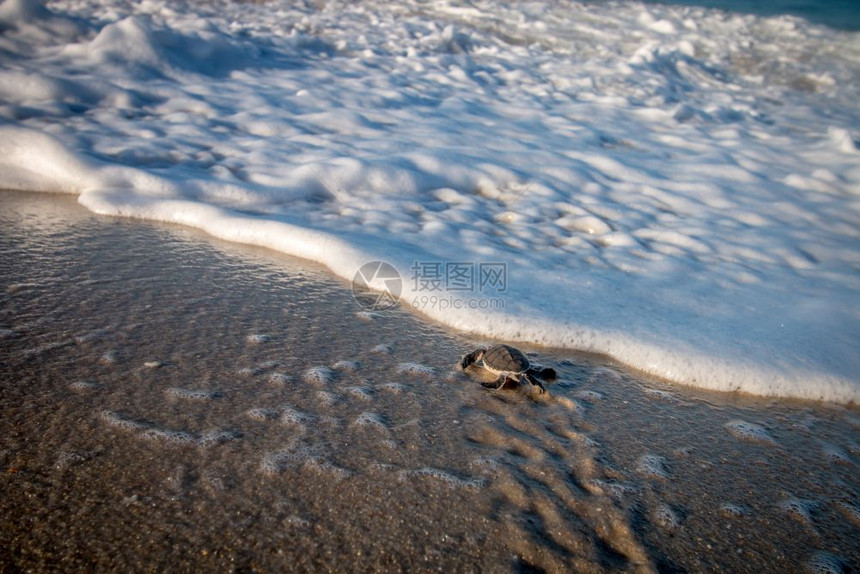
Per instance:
x=174, y=401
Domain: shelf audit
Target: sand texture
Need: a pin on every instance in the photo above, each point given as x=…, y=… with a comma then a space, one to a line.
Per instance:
x=175, y=403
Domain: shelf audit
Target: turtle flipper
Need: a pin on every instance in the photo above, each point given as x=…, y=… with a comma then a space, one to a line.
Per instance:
x=527, y=378
x=497, y=384
x=545, y=373
x=471, y=358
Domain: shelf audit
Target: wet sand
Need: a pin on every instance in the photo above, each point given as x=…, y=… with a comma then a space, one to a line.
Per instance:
x=175, y=403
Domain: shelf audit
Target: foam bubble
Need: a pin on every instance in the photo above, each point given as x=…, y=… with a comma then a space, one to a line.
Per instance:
x=661, y=395
x=415, y=370
x=347, y=366
x=84, y=386
x=666, y=517
x=445, y=477
x=250, y=371
x=382, y=349
x=367, y=315
x=730, y=510
x=121, y=422
x=750, y=432
x=217, y=436
x=614, y=488
x=395, y=388
x=590, y=396
x=652, y=466
x=319, y=465
x=153, y=364
x=319, y=375
x=192, y=394
x=294, y=417
x=262, y=414
x=258, y=338
x=327, y=398
x=68, y=458
x=109, y=358
x=168, y=436
x=280, y=379
x=96, y=335
x=371, y=420
x=798, y=509
x=360, y=393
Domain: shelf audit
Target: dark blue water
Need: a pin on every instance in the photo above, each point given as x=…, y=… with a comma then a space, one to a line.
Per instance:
x=838, y=14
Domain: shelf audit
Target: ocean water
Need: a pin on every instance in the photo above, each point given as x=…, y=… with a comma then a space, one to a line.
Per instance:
x=673, y=186
x=839, y=14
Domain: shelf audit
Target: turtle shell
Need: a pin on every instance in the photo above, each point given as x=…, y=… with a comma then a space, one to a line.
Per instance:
x=502, y=358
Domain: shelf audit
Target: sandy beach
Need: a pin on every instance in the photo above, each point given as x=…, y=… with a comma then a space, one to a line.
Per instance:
x=172, y=402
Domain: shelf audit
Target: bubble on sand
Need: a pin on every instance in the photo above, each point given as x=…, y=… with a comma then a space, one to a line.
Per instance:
x=590, y=396
x=69, y=458
x=217, y=436
x=109, y=358
x=319, y=465
x=445, y=477
x=262, y=414
x=835, y=454
x=346, y=366
x=296, y=521
x=280, y=379
x=319, y=375
x=153, y=364
x=825, y=563
x=661, y=395
x=382, y=349
x=485, y=464
x=168, y=436
x=729, y=510
x=415, y=370
x=666, y=517
x=799, y=509
x=653, y=466
x=327, y=398
x=121, y=422
x=360, y=393
x=291, y=416
x=258, y=338
x=613, y=488
x=367, y=315
x=276, y=462
x=749, y=432
x=395, y=388
x=250, y=371
x=84, y=386
x=192, y=394
x=371, y=420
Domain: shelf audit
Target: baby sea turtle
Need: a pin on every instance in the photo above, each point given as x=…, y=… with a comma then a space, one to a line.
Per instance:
x=510, y=364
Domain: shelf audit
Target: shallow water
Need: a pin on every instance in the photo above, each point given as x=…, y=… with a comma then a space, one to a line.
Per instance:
x=174, y=402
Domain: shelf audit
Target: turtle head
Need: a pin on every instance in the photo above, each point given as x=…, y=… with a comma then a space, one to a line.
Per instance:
x=547, y=374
